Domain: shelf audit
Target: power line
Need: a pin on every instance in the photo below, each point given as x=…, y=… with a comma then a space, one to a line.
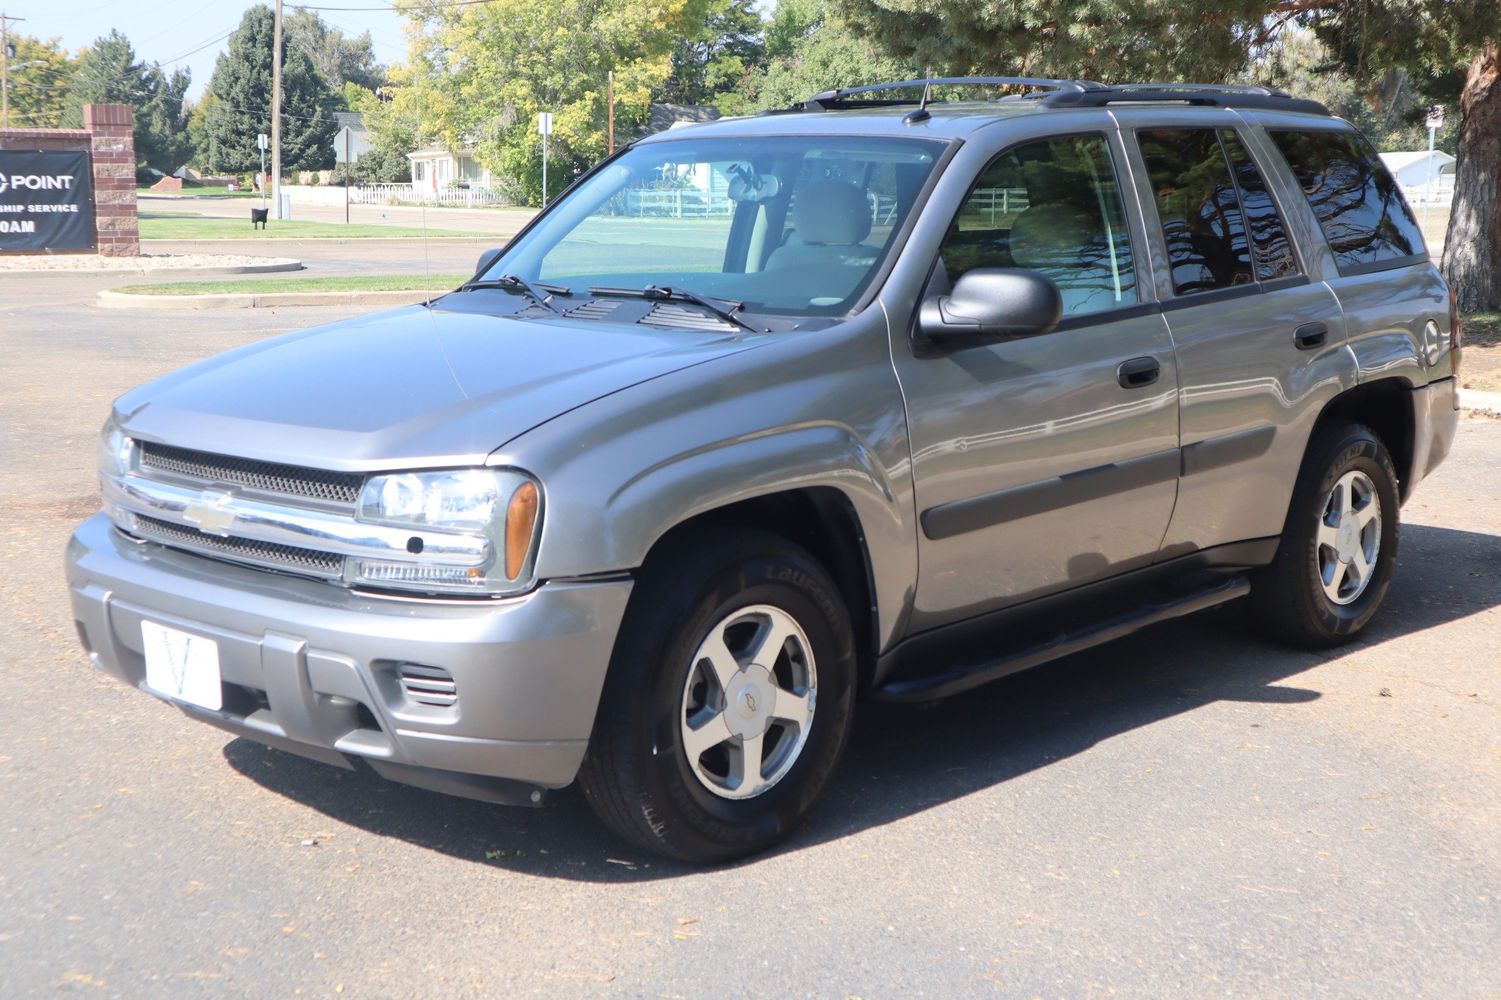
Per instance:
x=213, y=41
x=401, y=10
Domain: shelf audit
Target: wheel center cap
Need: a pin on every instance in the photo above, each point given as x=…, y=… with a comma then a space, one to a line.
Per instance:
x=1348, y=538
x=749, y=700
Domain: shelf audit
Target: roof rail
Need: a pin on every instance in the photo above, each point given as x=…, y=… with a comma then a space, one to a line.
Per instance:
x=1208, y=94
x=831, y=100
x=1223, y=88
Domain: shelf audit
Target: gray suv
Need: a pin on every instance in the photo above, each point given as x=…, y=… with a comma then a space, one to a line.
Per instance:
x=877, y=397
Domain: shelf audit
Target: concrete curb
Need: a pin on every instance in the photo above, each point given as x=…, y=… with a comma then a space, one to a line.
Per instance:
x=262, y=300
x=285, y=264
x=1488, y=403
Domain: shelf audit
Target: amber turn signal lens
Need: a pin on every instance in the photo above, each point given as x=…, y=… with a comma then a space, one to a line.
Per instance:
x=521, y=519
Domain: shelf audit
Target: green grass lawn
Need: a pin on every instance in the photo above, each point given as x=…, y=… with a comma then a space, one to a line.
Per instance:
x=255, y=286
x=197, y=191
x=180, y=226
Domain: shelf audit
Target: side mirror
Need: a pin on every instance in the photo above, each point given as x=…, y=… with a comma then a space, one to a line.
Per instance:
x=486, y=259
x=991, y=304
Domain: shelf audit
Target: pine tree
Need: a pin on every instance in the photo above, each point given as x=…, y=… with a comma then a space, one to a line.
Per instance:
x=1440, y=43
x=238, y=103
x=109, y=73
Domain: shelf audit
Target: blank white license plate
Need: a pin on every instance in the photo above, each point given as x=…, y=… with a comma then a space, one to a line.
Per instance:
x=182, y=666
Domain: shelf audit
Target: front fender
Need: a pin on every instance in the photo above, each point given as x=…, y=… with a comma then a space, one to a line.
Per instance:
x=621, y=472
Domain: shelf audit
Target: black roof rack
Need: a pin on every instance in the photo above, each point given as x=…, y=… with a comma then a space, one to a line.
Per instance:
x=1073, y=94
x=1224, y=95
x=834, y=100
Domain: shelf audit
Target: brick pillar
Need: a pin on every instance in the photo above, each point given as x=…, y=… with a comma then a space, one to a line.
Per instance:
x=117, y=231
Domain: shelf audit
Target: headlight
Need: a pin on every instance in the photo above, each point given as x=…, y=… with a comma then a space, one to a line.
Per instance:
x=502, y=505
x=116, y=450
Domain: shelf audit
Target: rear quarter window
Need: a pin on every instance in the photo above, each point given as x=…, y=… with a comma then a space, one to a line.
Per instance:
x=1360, y=208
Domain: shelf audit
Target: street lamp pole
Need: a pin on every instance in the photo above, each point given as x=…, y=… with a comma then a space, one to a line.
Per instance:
x=276, y=115
x=5, y=68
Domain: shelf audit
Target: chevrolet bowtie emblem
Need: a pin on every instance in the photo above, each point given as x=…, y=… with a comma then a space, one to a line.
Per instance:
x=210, y=513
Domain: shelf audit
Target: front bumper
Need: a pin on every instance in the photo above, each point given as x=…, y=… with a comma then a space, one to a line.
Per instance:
x=313, y=668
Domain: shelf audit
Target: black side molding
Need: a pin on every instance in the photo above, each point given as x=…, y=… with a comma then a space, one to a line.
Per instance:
x=961, y=516
x=1213, y=453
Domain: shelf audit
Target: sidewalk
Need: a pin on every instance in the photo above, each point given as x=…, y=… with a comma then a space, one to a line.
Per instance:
x=1488, y=403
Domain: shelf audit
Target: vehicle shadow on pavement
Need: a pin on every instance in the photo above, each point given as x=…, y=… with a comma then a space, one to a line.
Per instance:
x=902, y=761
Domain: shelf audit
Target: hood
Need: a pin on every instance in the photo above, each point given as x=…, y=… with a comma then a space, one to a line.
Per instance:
x=408, y=388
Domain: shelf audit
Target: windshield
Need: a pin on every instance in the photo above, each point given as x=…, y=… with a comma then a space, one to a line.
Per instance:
x=781, y=225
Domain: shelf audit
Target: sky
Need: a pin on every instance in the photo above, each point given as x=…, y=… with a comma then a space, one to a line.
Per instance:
x=188, y=33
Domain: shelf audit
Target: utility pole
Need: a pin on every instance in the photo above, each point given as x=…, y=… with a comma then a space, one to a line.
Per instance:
x=276, y=115
x=5, y=68
x=611, y=99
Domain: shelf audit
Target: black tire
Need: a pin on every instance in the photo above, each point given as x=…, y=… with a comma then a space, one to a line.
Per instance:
x=1289, y=595
x=636, y=774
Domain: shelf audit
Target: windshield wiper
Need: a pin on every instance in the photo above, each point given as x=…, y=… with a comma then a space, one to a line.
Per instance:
x=539, y=292
x=725, y=309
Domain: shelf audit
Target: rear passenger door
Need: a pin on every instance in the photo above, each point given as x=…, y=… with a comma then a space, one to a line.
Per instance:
x=1259, y=343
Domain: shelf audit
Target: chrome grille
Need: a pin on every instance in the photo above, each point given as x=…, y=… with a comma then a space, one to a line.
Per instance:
x=266, y=477
x=428, y=685
x=308, y=562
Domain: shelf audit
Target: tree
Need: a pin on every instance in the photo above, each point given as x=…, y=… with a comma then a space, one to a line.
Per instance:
x=39, y=76
x=237, y=106
x=1390, y=110
x=1438, y=42
x=810, y=49
x=392, y=125
x=109, y=73
x=1472, y=251
x=717, y=57
x=478, y=75
x=338, y=58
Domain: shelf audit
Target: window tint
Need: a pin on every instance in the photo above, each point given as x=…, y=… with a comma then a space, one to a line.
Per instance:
x=1273, y=250
x=1199, y=209
x=1051, y=206
x=1358, y=204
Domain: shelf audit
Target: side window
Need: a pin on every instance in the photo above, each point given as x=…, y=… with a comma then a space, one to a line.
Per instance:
x=1052, y=206
x=1199, y=209
x=1274, y=251
x=1358, y=204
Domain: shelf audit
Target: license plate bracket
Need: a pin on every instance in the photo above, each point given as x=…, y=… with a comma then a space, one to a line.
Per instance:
x=182, y=666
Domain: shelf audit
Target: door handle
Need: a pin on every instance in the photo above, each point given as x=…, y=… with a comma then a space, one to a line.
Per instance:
x=1310, y=335
x=1138, y=372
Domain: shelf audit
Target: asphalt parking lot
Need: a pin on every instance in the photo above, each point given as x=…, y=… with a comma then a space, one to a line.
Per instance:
x=1191, y=812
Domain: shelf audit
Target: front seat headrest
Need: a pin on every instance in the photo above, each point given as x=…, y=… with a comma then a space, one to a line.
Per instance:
x=830, y=211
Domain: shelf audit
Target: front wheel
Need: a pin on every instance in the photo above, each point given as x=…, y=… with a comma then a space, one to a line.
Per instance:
x=1339, y=547
x=729, y=699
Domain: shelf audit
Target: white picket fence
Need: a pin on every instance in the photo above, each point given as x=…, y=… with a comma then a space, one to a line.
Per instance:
x=691, y=203
x=1439, y=193
x=395, y=194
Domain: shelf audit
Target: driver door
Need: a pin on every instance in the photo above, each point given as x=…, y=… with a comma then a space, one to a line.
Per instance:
x=1042, y=464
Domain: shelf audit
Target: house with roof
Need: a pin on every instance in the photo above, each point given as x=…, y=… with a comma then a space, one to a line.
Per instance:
x=1423, y=175
x=437, y=167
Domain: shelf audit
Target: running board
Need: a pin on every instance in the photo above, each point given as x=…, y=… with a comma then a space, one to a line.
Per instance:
x=970, y=675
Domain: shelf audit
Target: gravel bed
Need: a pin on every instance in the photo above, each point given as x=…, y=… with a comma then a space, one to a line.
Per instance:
x=146, y=262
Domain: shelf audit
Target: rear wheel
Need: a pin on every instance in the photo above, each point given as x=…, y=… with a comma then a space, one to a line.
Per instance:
x=1339, y=547
x=729, y=699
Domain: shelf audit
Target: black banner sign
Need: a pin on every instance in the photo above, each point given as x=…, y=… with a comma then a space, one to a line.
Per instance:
x=46, y=201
